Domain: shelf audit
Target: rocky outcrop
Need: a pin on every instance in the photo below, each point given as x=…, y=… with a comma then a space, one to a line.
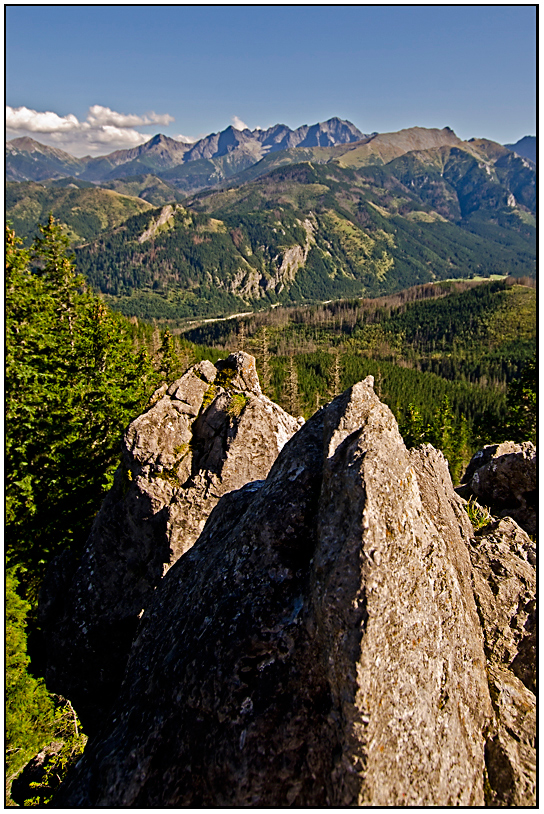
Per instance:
x=210, y=432
x=335, y=637
x=504, y=583
x=503, y=478
x=504, y=560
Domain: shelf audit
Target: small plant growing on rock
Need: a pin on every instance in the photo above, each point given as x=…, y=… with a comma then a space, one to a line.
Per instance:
x=478, y=515
x=208, y=397
x=236, y=404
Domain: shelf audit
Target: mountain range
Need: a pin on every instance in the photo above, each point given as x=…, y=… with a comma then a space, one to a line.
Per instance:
x=248, y=219
x=28, y=160
x=188, y=168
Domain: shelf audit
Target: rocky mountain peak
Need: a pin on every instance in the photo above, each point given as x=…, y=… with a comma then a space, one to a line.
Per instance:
x=161, y=139
x=163, y=153
x=23, y=143
x=336, y=634
x=526, y=147
x=26, y=144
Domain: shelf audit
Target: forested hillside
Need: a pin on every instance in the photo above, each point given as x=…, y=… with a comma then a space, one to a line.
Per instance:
x=287, y=217
x=457, y=342
x=307, y=233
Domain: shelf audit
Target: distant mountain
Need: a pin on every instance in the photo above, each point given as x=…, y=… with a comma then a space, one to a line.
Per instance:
x=308, y=232
x=376, y=149
x=27, y=160
x=159, y=153
x=279, y=137
x=281, y=216
x=384, y=147
x=525, y=147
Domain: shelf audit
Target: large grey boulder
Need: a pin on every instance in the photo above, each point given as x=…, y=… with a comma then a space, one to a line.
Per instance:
x=319, y=645
x=209, y=433
x=503, y=478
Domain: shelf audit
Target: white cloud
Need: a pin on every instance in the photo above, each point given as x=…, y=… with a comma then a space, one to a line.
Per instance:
x=21, y=118
x=103, y=130
x=238, y=124
x=184, y=139
x=104, y=116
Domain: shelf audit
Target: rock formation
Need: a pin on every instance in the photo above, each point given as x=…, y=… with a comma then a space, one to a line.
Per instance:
x=503, y=477
x=210, y=432
x=504, y=560
x=336, y=637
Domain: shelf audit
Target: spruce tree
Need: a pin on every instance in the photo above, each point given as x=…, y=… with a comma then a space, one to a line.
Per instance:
x=29, y=710
x=522, y=404
x=73, y=382
x=264, y=360
x=168, y=358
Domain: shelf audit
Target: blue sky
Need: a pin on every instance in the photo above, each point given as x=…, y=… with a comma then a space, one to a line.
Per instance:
x=113, y=76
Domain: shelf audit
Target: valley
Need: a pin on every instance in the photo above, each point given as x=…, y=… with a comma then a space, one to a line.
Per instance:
x=287, y=224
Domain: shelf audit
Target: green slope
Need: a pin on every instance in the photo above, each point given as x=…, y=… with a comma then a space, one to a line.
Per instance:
x=309, y=233
x=82, y=209
x=150, y=188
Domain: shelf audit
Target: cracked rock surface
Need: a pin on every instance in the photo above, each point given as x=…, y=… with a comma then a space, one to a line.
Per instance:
x=503, y=478
x=337, y=636
x=209, y=433
x=504, y=559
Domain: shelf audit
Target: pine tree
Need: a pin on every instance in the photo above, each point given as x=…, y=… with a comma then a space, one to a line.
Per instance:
x=73, y=381
x=292, y=391
x=264, y=359
x=168, y=358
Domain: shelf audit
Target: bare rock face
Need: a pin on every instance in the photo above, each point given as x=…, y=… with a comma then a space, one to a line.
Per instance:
x=504, y=582
x=210, y=432
x=445, y=507
x=503, y=477
x=319, y=645
x=504, y=559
